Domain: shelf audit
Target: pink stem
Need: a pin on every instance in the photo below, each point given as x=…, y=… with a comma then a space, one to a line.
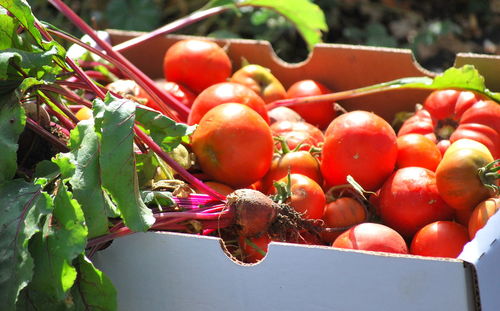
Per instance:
x=64, y=121
x=333, y=97
x=69, y=123
x=195, y=182
x=169, y=28
x=161, y=98
x=46, y=134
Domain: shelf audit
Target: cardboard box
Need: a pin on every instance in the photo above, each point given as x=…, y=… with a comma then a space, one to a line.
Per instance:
x=173, y=271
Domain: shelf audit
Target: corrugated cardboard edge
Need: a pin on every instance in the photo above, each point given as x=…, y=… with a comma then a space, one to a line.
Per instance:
x=292, y=277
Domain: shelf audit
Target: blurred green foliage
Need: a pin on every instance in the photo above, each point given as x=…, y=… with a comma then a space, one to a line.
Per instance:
x=434, y=30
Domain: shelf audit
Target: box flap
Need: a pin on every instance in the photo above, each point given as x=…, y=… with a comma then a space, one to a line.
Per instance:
x=484, y=252
x=187, y=272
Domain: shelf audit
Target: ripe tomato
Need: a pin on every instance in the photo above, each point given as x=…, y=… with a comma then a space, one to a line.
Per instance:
x=342, y=212
x=319, y=114
x=372, y=237
x=233, y=145
x=457, y=175
x=453, y=114
x=196, y=64
x=420, y=123
x=409, y=200
x=261, y=81
x=219, y=187
x=296, y=133
x=307, y=198
x=481, y=213
x=283, y=114
x=300, y=162
x=441, y=103
x=417, y=150
x=226, y=92
x=360, y=144
x=253, y=249
x=440, y=239
x=179, y=92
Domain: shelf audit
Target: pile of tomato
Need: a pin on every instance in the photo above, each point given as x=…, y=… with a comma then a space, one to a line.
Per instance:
x=423, y=190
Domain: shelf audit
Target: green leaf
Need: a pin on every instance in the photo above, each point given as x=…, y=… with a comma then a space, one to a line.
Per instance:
x=81, y=166
x=164, y=131
x=8, y=35
x=465, y=78
x=22, y=11
x=114, y=121
x=94, y=290
x=307, y=17
x=63, y=239
x=39, y=64
x=12, y=121
x=22, y=206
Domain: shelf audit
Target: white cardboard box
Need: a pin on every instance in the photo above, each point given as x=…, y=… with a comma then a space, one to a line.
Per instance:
x=172, y=271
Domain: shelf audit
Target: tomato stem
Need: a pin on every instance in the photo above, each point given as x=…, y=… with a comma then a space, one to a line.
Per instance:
x=489, y=174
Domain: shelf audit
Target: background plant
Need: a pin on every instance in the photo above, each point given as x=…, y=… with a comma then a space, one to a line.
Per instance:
x=434, y=30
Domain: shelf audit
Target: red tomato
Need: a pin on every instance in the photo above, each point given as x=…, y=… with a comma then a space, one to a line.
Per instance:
x=342, y=212
x=464, y=101
x=307, y=198
x=196, y=64
x=440, y=239
x=219, y=187
x=222, y=93
x=372, y=237
x=453, y=114
x=481, y=214
x=441, y=103
x=442, y=145
x=420, y=123
x=233, y=145
x=255, y=248
x=319, y=114
x=300, y=162
x=296, y=133
x=409, y=200
x=360, y=144
x=417, y=150
x=179, y=92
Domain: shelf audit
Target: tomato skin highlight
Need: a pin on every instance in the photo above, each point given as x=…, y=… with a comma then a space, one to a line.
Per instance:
x=222, y=93
x=409, y=200
x=308, y=198
x=233, y=145
x=360, y=144
x=481, y=214
x=196, y=64
x=372, y=237
x=298, y=132
x=457, y=174
x=441, y=103
x=417, y=150
x=299, y=162
x=319, y=114
x=440, y=239
x=342, y=212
